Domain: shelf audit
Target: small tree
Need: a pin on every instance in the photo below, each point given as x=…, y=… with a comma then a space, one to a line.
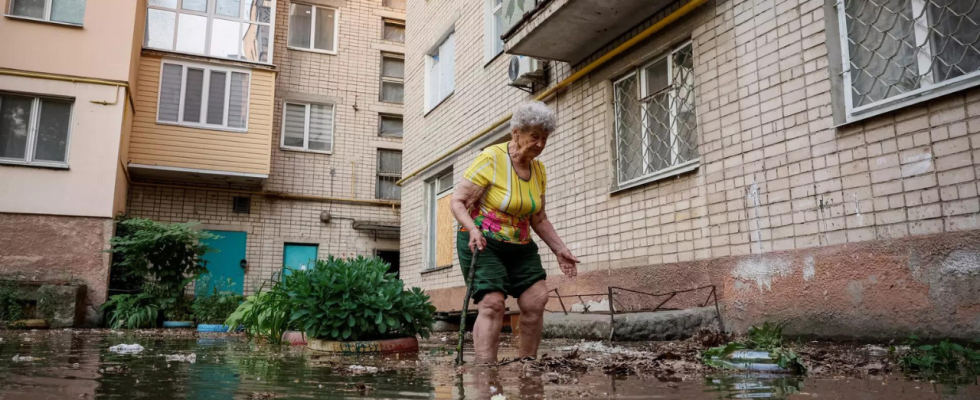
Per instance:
x=165, y=257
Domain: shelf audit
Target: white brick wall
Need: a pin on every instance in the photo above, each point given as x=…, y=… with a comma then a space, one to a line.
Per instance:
x=775, y=174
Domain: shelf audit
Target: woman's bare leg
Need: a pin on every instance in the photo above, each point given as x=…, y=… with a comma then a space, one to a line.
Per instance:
x=532, y=303
x=486, y=331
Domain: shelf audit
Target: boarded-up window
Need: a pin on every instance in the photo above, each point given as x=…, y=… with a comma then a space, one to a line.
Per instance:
x=442, y=226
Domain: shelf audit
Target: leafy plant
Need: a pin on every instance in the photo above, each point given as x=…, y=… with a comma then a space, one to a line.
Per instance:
x=167, y=254
x=216, y=307
x=356, y=299
x=11, y=309
x=769, y=338
x=131, y=311
x=945, y=358
x=180, y=310
x=264, y=315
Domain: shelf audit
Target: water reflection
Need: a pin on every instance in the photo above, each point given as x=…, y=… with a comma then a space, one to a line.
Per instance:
x=78, y=365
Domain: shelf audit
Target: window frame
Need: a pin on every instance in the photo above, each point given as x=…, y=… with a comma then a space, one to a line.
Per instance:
x=211, y=14
x=491, y=36
x=47, y=14
x=917, y=96
x=382, y=116
x=433, y=193
x=431, y=61
x=395, y=22
x=205, y=95
x=30, y=149
x=336, y=30
x=306, y=127
x=641, y=75
x=388, y=79
x=390, y=175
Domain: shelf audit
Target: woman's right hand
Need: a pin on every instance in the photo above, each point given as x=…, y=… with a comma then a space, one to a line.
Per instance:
x=477, y=241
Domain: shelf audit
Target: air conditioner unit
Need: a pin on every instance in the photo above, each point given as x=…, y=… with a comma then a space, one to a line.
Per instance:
x=525, y=71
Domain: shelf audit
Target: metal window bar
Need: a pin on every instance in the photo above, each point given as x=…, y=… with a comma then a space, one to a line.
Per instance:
x=899, y=49
x=655, y=117
x=389, y=172
x=613, y=310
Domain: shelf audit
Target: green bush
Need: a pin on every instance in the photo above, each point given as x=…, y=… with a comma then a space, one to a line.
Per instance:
x=264, y=315
x=356, y=299
x=132, y=311
x=11, y=309
x=215, y=307
x=941, y=361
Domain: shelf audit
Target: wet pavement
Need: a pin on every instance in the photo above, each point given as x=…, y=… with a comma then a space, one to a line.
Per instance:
x=39, y=365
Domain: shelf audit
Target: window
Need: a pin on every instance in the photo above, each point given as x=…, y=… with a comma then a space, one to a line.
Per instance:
x=233, y=29
x=62, y=11
x=202, y=96
x=493, y=29
x=440, y=81
x=392, y=78
x=394, y=31
x=396, y=4
x=308, y=127
x=897, y=52
x=391, y=125
x=34, y=130
x=313, y=28
x=389, y=172
x=655, y=120
x=440, y=222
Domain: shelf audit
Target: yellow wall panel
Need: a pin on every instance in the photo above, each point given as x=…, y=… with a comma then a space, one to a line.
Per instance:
x=445, y=233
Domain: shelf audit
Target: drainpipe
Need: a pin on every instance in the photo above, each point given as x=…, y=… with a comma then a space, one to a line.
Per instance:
x=646, y=33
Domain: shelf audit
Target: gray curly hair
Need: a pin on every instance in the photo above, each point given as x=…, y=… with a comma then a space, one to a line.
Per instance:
x=533, y=114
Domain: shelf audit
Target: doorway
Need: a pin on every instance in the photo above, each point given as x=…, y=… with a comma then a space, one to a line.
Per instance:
x=391, y=257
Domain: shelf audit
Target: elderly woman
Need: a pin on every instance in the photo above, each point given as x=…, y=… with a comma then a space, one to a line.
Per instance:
x=497, y=204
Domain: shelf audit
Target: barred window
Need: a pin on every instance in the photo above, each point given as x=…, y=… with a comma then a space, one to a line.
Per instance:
x=655, y=119
x=900, y=51
x=389, y=172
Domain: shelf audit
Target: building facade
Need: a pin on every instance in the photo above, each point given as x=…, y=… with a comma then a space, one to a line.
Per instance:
x=65, y=118
x=815, y=162
x=308, y=168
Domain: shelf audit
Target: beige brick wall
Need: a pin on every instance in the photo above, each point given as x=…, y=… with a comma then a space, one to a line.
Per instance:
x=775, y=174
x=351, y=81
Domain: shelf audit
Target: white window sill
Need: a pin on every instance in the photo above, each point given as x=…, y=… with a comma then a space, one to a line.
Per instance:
x=662, y=174
x=444, y=99
x=492, y=59
x=391, y=136
x=912, y=98
x=299, y=150
x=205, y=127
x=44, y=21
x=35, y=164
x=331, y=53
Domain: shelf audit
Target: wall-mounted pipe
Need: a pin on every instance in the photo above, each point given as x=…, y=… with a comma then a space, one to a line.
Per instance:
x=643, y=35
x=73, y=79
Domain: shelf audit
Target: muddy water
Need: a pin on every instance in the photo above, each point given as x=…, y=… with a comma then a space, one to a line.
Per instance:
x=78, y=365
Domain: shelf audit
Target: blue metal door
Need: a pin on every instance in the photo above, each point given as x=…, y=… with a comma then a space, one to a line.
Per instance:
x=298, y=257
x=224, y=263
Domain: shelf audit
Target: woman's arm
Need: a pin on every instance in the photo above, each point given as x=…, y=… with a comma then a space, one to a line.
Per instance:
x=544, y=229
x=466, y=195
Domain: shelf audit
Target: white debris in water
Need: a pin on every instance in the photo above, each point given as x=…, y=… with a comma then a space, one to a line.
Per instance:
x=360, y=369
x=20, y=358
x=191, y=358
x=599, y=347
x=498, y=397
x=126, y=348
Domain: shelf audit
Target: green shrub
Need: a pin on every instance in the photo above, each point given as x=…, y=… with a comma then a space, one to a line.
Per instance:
x=356, y=299
x=264, y=315
x=214, y=307
x=11, y=309
x=942, y=360
x=132, y=311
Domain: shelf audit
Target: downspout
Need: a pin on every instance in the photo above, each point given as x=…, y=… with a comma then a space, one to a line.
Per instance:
x=646, y=33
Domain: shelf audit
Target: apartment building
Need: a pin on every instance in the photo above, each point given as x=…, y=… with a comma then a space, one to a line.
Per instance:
x=815, y=162
x=297, y=156
x=65, y=116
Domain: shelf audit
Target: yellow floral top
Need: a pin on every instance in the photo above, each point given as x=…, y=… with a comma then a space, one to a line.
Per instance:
x=509, y=202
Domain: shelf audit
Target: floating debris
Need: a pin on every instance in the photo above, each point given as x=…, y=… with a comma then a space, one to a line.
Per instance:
x=20, y=358
x=360, y=369
x=191, y=358
x=126, y=348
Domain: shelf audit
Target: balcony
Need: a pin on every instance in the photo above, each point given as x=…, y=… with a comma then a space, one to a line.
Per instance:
x=570, y=30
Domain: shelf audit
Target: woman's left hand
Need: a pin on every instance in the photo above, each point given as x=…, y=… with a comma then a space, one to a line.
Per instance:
x=566, y=261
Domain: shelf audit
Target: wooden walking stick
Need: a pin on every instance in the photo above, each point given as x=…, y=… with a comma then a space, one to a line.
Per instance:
x=466, y=305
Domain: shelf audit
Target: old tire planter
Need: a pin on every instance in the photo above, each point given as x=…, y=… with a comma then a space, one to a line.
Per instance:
x=294, y=338
x=178, y=324
x=212, y=328
x=389, y=346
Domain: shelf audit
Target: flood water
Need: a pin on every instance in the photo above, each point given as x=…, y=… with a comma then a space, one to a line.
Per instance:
x=39, y=365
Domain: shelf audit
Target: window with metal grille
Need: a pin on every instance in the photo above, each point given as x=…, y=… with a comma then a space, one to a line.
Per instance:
x=392, y=78
x=389, y=172
x=241, y=205
x=896, y=52
x=655, y=119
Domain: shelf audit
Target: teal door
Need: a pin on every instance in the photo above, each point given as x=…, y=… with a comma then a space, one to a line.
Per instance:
x=298, y=257
x=224, y=263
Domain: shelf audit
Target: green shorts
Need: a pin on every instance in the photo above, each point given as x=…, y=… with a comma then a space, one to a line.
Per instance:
x=509, y=268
